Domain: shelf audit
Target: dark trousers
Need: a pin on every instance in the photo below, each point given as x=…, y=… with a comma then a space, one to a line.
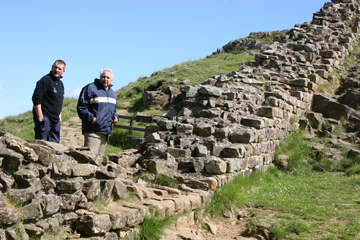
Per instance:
x=47, y=130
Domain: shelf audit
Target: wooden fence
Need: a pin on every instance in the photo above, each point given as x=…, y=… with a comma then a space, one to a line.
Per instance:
x=133, y=119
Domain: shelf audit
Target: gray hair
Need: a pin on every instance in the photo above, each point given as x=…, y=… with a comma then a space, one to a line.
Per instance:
x=106, y=70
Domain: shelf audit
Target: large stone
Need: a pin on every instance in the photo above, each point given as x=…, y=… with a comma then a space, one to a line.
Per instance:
x=216, y=166
x=69, y=185
x=32, y=210
x=179, y=153
x=52, y=204
x=270, y=112
x=243, y=135
x=86, y=156
x=10, y=158
x=7, y=216
x=118, y=220
x=91, y=188
x=167, y=124
x=156, y=150
x=201, y=151
x=208, y=113
x=93, y=224
x=33, y=230
x=338, y=111
x=53, y=147
x=330, y=108
x=54, y=225
x=26, y=194
x=352, y=98
x=124, y=160
x=83, y=170
x=210, y=90
x=253, y=122
x=204, y=129
x=183, y=128
x=62, y=168
x=314, y=119
x=159, y=166
x=71, y=201
x=28, y=153
x=6, y=180
x=120, y=190
x=45, y=158
x=25, y=176
x=48, y=183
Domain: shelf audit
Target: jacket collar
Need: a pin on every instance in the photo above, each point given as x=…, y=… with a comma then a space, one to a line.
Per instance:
x=98, y=82
x=53, y=77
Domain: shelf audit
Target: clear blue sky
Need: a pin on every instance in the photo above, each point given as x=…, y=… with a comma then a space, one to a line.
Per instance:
x=133, y=37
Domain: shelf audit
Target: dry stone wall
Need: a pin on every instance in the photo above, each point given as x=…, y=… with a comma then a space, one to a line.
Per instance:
x=227, y=126
x=230, y=125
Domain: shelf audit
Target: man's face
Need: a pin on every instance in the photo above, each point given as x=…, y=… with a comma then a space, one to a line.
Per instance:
x=58, y=69
x=106, y=78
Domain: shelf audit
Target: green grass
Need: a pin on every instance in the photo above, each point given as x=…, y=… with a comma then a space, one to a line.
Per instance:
x=298, y=204
x=195, y=71
x=313, y=201
x=22, y=125
x=297, y=149
x=154, y=226
x=165, y=180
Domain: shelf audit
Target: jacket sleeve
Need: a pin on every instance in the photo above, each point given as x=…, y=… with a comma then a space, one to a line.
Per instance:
x=115, y=114
x=39, y=91
x=83, y=105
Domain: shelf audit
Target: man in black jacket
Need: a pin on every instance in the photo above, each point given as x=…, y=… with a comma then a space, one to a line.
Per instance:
x=48, y=100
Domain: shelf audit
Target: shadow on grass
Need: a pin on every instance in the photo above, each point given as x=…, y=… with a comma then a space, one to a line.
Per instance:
x=120, y=138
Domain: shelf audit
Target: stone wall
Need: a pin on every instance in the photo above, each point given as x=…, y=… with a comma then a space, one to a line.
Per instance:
x=230, y=125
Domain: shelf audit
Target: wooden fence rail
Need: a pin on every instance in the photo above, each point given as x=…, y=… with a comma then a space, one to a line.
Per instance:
x=133, y=119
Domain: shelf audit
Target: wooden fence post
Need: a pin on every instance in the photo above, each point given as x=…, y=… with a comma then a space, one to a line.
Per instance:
x=132, y=123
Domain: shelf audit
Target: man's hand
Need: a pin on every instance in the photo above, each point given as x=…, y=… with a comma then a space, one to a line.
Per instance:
x=60, y=117
x=38, y=112
x=93, y=121
x=115, y=120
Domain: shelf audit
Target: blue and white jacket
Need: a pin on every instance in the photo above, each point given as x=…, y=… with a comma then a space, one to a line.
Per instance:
x=95, y=101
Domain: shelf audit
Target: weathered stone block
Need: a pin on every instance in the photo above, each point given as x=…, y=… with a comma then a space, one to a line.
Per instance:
x=83, y=170
x=93, y=224
x=243, y=136
x=204, y=130
x=253, y=122
x=216, y=166
x=211, y=91
x=186, y=129
x=179, y=153
x=158, y=166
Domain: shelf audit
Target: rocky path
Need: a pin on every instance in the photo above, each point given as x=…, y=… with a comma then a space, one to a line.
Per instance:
x=70, y=135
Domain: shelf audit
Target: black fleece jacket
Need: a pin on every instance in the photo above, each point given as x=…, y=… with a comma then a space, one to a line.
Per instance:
x=49, y=92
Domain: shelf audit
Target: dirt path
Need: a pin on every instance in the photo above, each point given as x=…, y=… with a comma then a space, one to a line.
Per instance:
x=70, y=135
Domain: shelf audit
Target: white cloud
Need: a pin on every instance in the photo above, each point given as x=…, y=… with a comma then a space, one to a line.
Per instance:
x=72, y=93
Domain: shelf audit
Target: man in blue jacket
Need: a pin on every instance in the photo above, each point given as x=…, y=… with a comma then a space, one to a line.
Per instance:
x=48, y=99
x=97, y=109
